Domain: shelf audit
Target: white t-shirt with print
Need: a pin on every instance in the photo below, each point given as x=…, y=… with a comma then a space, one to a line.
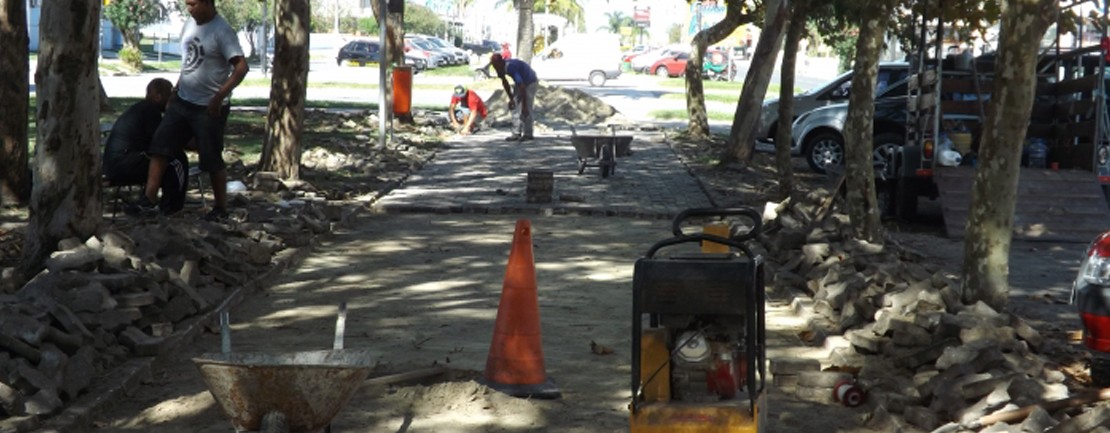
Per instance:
x=205, y=67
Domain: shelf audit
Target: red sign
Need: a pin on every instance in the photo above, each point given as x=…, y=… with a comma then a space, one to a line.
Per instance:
x=641, y=15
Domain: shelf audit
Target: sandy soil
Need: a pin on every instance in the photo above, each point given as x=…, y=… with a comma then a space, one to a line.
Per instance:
x=423, y=291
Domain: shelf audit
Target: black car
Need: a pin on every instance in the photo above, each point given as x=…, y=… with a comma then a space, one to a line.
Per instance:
x=359, y=52
x=483, y=47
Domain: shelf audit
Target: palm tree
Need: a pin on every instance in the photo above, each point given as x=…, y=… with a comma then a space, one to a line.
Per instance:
x=569, y=9
x=617, y=20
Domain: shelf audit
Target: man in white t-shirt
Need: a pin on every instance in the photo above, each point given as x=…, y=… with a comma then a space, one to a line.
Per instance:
x=212, y=65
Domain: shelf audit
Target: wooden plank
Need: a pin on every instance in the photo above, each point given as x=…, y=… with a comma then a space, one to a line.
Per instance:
x=1078, y=85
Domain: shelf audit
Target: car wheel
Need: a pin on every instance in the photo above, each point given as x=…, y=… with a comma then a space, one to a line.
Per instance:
x=597, y=78
x=887, y=146
x=662, y=72
x=824, y=150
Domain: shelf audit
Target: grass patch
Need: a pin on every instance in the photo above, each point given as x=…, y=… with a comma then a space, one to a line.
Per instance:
x=461, y=71
x=715, y=97
x=734, y=86
x=681, y=115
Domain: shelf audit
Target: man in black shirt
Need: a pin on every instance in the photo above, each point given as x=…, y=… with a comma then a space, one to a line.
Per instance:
x=125, y=159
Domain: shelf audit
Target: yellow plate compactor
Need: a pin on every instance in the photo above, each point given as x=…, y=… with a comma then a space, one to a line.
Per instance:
x=698, y=350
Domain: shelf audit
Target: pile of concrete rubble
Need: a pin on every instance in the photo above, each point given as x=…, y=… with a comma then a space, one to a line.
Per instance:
x=557, y=108
x=132, y=289
x=897, y=329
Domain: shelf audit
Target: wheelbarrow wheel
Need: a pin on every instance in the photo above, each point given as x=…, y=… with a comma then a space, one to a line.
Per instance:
x=608, y=160
x=275, y=422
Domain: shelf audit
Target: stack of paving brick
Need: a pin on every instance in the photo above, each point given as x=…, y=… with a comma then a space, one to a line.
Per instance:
x=926, y=360
x=119, y=295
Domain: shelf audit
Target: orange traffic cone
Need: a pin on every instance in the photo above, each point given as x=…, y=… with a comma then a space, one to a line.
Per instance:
x=515, y=362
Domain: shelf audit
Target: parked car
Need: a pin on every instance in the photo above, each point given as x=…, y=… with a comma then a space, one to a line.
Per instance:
x=820, y=133
x=430, y=59
x=483, y=47
x=833, y=92
x=643, y=62
x=436, y=56
x=457, y=56
x=359, y=52
x=592, y=57
x=1090, y=292
x=672, y=65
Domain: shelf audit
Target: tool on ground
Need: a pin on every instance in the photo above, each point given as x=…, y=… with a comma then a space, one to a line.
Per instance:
x=698, y=343
x=292, y=392
x=848, y=393
x=515, y=364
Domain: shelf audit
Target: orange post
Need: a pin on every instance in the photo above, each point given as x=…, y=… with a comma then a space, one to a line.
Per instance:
x=515, y=363
x=402, y=91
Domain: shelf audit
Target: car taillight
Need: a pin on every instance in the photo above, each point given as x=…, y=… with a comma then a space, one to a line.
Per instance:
x=930, y=146
x=1095, y=268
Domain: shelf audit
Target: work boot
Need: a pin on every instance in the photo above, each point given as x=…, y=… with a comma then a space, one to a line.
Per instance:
x=143, y=208
x=527, y=138
x=514, y=137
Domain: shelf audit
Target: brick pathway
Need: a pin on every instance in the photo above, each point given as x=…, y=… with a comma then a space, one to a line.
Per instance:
x=485, y=174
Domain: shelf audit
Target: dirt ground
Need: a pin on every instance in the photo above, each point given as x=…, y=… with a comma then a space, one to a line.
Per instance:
x=423, y=291
x=455, y=265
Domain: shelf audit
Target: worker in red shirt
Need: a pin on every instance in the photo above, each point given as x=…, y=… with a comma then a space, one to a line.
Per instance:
x=467, y=111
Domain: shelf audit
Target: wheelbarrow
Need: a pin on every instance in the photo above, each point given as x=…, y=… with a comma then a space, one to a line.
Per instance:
x=292, y=392
x=600, y=151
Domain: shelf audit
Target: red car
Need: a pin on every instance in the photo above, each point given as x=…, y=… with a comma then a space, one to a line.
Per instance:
x=671, y=66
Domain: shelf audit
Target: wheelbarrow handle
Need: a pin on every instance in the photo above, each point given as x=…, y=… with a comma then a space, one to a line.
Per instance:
x=699, y=237
x=755, y=217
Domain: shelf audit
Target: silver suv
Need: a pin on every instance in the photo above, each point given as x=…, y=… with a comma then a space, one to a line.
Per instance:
x=834, y=92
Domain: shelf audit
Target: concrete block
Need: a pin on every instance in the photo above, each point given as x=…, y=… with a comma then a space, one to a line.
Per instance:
x=139, y=342
x=19, y=424
x=115, y=320
x=815, y=252
x=821, y=379
x=92, y=298
x=1038, y=421
x=1027, y=333
x=178, y=308
x=69, y=243
x=1084, y=422
x=785, y=382
x=78, y=372
x=962, y=354
x=81, y=258
x=190, y=273
x=11, y=401
x=43, y=402
x=789, y=366
x=911, y=336
x=997, y=334
x=865, y=341
x=115, y=282
x=136, y=299
x=995, y=400
x=816, y=395
x=921, y=417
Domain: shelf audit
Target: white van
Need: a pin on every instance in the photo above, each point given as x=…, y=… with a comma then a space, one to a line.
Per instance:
x=592, y=57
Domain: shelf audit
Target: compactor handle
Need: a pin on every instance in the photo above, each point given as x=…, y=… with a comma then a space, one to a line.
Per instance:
x=755, y=217
x=732, y=242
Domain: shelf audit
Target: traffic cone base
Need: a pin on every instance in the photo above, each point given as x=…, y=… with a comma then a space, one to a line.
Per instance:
x=515, y=363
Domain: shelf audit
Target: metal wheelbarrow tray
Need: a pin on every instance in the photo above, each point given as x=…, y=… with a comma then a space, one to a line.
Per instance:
x=604, y=149
x=307, y=389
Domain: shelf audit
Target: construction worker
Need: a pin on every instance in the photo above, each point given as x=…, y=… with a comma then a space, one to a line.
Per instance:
x=467, y=111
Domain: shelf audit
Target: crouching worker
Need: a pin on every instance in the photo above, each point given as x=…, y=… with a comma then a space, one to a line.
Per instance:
x=467, y=111
x=125, y=160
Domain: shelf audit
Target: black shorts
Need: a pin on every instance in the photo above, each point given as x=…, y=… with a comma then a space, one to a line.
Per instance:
x=184, y=121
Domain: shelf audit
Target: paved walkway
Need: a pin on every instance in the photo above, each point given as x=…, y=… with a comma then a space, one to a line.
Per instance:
x=485, y=174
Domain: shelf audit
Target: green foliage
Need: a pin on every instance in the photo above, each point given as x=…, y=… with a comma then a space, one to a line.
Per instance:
x=615, y=21
x=131, y=57
x=367, y=26
x=130, y=16
x=419, y=19
x=674, y=33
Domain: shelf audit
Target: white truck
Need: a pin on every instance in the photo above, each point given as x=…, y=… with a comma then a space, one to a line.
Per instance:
x=594, y=57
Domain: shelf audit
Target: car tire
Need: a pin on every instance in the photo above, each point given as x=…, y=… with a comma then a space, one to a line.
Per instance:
x=824, y=149
x=886, y=149
x=662, y=72
x=597, y=78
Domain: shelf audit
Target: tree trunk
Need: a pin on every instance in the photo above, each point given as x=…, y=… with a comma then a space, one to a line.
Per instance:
x=394, y=52
x=526, y=30
x=745, y=121
x=15, y=176
x=994, y=194
x=695, y=91
x=859, y=128
x=65, y=200
x=784, y=164
x=282, y=151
